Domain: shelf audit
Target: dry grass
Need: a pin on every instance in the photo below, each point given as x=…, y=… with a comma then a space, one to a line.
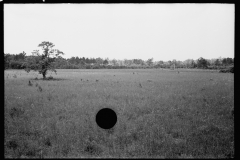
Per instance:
x=175, y=116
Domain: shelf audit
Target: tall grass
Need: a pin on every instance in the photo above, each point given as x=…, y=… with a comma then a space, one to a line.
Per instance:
x=173, y=115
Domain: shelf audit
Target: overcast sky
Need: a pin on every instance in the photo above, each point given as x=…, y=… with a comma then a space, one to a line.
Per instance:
x=158, y=31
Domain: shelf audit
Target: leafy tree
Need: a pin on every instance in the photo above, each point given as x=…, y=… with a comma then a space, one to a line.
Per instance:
x=127, y=62
x=138, y=61
x=120, y=62
x=114, y=62
x=193, y=64
x=99, y=61
x=202, y=63
x=72, y=60
x=82, y=62
x=60, y=63
x=7, y=60
x=87, y=60
x=20, y=56
x=92, y=60
x=160, y=62
x=173, y=63
x=149, y=62
x=77, y=60
x=42, y=62
x=105, y=62
x=83, y=59
x=14, y=61
x=217, y=62
x=227, y=61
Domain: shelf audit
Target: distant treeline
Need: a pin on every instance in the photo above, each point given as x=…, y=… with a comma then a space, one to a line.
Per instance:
x=17, y=61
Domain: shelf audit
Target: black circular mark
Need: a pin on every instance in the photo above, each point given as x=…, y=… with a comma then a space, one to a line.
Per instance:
x=106, y=118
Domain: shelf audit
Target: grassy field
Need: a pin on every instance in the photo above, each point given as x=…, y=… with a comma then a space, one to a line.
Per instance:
x=161, y=113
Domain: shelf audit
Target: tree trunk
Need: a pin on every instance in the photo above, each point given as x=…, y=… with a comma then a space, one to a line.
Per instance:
x=44, y=75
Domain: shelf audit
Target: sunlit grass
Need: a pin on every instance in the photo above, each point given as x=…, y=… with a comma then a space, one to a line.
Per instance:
x=181, y=115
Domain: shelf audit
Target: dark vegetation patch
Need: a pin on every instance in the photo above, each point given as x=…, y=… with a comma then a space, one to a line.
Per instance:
x=227, y=70
x=16, y=112
x=92, y=149
x=12, y=144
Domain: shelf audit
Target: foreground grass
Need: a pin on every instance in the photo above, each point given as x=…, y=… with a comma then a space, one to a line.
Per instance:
x=160, y=114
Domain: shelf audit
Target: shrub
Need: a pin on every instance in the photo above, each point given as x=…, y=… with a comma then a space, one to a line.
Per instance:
x=88, y=67
x=227, y=70
x=96, y=67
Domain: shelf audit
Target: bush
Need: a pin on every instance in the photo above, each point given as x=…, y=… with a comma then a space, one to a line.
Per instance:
x=70, y=66
x=88, y=67
x=212, y=67
x=227, y=70
x=96, y=67
x=16, y=65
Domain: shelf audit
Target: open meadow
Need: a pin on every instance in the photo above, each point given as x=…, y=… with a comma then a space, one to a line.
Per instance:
x=161, y=113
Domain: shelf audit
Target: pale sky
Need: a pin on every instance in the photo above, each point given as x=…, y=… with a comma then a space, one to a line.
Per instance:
x=159, y=31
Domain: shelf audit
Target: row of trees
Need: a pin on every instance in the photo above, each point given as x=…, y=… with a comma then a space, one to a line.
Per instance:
x=17, y=61
x=14, y=61
x=50, y=59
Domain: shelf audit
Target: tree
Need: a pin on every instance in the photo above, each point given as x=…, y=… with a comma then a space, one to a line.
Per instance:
x=42, y=62
x=7, y=60
x=20, y=56
x=87, y=60
x=99, y=61
x=105, y=62
x=114, y=62
x=174, y=63
x=77, y=60
x=227, y=61
x=217, y=62
x=127, y=62
x=92, y=60
x=60, y=63
x=72, y=60
x=159, y=64
x=120, y=62
x=138, y=61
x=202, y=63
x=84, y=60
x=149, y=62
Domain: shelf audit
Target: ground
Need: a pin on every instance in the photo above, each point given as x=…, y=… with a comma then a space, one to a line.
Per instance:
x=161, y=113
